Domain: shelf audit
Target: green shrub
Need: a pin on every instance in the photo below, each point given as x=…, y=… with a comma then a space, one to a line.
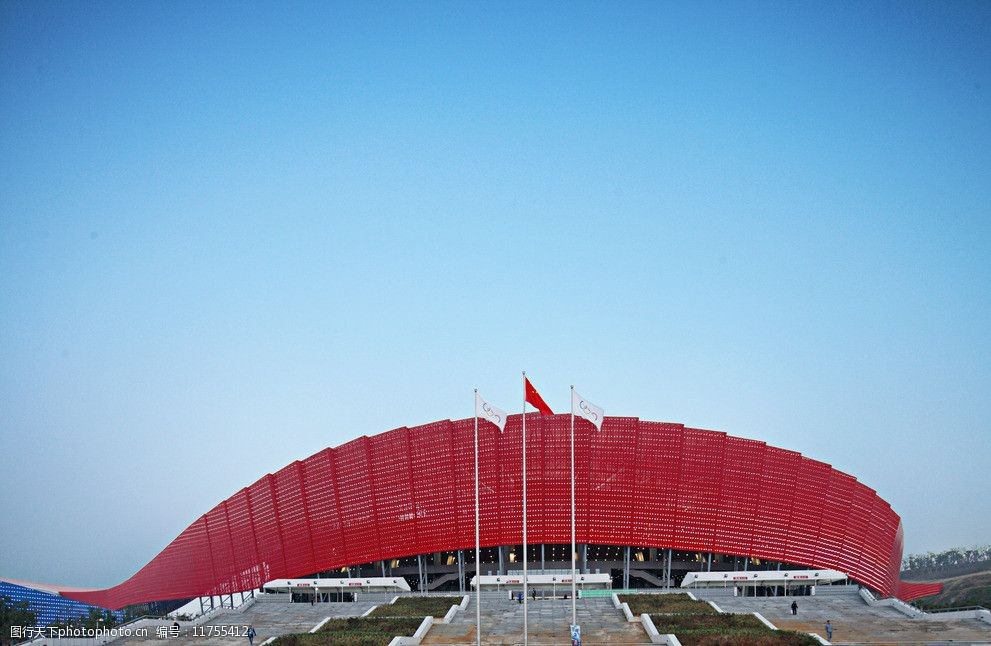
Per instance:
x=713, y=623
x=417, y=607
x=665, y=603
x=766, y=638
x=726, y=630
x=355, y=631
x=696, y=623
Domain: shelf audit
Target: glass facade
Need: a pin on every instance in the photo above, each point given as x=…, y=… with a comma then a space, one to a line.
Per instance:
x=49, y=608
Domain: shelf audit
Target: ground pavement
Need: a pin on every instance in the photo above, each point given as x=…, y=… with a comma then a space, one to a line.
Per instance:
x=548, y=621
x=268, y=620
x=855, y=622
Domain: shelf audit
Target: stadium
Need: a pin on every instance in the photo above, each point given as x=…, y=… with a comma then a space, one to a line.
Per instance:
x=655, y=501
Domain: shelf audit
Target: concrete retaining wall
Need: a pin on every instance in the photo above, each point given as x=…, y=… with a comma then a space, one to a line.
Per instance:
x=417, y=636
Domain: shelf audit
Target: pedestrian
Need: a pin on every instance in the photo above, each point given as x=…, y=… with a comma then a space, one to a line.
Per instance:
x=533, y=593
x=794, y=607
x=251, y=635
x=829, y=630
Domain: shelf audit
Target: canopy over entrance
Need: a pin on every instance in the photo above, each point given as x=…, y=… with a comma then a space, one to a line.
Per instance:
x=310, y=586
x=769, y=577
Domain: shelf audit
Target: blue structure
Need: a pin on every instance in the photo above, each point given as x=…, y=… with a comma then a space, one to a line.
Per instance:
x=49, y=608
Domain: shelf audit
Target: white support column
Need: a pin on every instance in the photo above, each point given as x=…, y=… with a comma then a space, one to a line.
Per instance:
x=626, y=568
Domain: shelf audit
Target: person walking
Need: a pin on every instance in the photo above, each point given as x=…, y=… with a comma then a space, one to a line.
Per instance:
x=251, y=635
x=794, y=607
x=829, y=630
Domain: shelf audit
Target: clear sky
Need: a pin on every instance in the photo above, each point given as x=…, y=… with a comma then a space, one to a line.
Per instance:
x=233, y=234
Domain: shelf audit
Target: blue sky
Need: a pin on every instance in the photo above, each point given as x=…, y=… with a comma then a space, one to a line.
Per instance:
x=232, y=234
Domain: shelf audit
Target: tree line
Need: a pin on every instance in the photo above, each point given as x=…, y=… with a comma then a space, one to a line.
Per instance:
x=954, y=561
x=14, y=613
x=19, y=613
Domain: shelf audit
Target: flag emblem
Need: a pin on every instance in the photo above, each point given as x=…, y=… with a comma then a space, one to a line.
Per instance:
x=485, y=410
x=584, y=408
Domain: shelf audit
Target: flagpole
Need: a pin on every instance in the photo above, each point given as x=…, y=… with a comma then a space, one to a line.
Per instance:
x=525, y=627
x=574, y=606
x=478, y=540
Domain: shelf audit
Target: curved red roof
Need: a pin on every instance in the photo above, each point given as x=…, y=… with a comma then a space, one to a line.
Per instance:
x=411, y=491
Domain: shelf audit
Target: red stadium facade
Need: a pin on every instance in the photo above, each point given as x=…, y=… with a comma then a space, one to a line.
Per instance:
x=410, y=491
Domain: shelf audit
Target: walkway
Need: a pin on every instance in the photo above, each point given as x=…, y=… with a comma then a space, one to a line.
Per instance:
x=268, y=619
x=855, y=622
x=549, y=623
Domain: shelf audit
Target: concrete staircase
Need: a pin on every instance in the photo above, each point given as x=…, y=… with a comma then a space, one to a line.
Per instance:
x=548, y=622
x=441, y=580
x=648, y=577
x=270, y=618
x=853, y=620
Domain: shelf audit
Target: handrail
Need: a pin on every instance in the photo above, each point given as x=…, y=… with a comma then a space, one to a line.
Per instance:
x=137, y=619
x=936, y=611
x=116, y=627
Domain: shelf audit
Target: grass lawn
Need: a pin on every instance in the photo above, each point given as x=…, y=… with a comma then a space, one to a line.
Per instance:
x=417, y=607
x=745, y=638
x=968, y=590
x=726, y=630
x=355, y=631
x=665, y=603
x=377, y=629
x=696, y=623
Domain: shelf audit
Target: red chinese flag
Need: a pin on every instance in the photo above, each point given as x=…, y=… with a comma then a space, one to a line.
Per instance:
x=534, y=399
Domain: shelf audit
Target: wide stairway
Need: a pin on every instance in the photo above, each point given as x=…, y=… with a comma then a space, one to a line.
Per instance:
x=549, y=623
x=270, y=618
x=854, y=622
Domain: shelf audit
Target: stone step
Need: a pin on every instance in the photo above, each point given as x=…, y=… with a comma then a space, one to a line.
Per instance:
x=548, y=622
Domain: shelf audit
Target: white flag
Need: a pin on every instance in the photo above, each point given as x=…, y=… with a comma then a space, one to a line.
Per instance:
x=584, y=408
x=487, y=411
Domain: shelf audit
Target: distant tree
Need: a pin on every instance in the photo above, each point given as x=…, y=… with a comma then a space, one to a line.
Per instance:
x=97, y=618
x=947, y=561
x=14, y=614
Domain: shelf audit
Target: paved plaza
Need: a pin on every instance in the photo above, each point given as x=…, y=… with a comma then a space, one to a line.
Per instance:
x=855, y=622
x=268, y=619
x=549, y=621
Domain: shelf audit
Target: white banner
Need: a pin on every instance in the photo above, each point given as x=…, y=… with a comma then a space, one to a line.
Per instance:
x=584, y=408
x=485, y=410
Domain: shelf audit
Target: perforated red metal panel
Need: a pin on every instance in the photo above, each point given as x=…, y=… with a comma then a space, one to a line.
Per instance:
x=292, y=525
x=463, y=476
x=246, y=573
x=610, y=483
x=395, y=491
x=811, y=483
x=268, y=535
x=698, y=489
x=323, y=508
x=432, y=481
x=356, y=501
x=221, y=553
x=831, y=544
x=554, y=478
x=776, y=498
x=411, y=491
x=736, y=512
